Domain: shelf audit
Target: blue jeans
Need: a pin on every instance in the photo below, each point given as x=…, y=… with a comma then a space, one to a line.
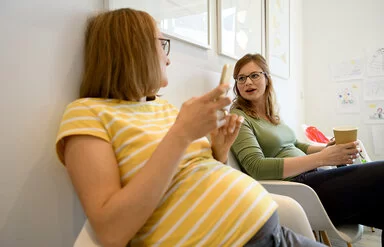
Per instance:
x=272, y=234
x=350, y=194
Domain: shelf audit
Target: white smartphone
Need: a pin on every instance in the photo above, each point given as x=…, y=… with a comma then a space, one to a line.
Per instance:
x=226, y=74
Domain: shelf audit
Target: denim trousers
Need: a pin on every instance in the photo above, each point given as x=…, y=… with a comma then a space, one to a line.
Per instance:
x=272, y=234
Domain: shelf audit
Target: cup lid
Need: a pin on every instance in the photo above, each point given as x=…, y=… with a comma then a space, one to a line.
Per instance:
x=343, y=128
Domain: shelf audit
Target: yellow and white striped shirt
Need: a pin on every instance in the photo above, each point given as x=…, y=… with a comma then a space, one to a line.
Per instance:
x=207, y=203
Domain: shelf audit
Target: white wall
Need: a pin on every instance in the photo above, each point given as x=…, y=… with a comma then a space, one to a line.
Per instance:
x=40, y=66
x=336, y=31
x=290, y=92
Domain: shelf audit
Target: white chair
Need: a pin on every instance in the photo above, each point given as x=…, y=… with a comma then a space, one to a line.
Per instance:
x=292, y=215
x=308, y=199
x=87, y=237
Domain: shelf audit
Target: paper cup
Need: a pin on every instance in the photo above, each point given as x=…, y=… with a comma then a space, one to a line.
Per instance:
x=345, y=134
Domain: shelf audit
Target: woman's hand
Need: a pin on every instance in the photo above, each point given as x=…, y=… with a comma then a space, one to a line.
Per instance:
x=223, y=137
x=340, y=154
x=198, y=116
x=331, y=142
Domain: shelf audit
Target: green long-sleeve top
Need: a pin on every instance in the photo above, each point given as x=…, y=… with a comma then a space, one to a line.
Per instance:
x=261, y=147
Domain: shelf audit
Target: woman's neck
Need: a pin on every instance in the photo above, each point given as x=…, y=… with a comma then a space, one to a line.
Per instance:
x=259, y=107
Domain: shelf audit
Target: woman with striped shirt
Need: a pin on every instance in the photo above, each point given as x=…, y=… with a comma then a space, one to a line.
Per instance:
x=145, y=173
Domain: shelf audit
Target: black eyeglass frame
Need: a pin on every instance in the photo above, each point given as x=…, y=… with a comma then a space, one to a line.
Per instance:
x=164, y=45
x=249, y=76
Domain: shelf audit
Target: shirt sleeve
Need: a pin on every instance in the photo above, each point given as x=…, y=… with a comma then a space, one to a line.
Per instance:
x=79, y=119
x=250, y=156
x=302, y=146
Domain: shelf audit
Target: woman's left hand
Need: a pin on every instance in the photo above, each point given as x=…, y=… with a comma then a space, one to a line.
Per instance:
x=223, y=137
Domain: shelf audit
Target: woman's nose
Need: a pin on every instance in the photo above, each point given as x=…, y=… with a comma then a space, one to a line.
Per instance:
x=248, y=81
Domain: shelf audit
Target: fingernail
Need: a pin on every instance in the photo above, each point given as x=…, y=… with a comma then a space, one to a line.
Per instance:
x=241, y=119
x=232, y=130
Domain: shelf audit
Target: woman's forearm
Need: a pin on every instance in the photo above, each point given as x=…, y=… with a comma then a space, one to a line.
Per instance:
x=220, y=154
x=296, y=165
x=315, y=149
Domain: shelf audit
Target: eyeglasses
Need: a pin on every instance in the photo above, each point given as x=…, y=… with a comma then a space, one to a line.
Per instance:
x=254, y=76
x=166, y=44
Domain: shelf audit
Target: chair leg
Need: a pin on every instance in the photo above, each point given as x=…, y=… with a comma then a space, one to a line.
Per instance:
x=314, y=233
x=325, y=238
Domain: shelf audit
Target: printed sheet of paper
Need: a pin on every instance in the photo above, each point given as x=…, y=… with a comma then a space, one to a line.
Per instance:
x=378, y=139
x=374, y=112
x=348, y=70
x=347, y=98
x=375, y=63
x=374, y=88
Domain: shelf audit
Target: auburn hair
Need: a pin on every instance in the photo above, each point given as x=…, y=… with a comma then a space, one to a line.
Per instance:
x=121, y=60
x=245, y=105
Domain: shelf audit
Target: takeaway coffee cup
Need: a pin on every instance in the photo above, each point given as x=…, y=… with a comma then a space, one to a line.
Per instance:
x=345, y=134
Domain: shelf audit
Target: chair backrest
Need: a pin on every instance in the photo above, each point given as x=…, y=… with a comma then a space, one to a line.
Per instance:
x=314, y=209
x=232, y=161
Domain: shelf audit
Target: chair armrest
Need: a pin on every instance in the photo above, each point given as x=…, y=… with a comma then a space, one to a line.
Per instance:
x=292, y=215
x=364, y=151
x=306, y=197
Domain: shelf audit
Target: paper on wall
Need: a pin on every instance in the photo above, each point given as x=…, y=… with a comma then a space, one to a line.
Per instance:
x=374, y=88
x=347, y=95
x=347, y=70
x=375, y=63
x=374, y=112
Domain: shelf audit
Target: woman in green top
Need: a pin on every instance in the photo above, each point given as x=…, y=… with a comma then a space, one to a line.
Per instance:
x=266, y=148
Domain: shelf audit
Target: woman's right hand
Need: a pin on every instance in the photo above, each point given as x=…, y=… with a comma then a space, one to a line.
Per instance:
x=198, y=116
x=340, y=154
x=331, y=142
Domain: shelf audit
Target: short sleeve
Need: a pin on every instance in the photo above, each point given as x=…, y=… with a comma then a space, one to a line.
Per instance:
x=79, y=119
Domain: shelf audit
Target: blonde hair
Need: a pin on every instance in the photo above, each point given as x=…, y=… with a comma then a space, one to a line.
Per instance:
x=239, y=102
x=120, y=56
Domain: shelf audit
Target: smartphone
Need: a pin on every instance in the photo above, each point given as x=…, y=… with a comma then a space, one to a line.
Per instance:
x=226, y=74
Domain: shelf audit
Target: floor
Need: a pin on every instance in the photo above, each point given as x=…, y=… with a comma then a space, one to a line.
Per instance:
x=369, y=239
